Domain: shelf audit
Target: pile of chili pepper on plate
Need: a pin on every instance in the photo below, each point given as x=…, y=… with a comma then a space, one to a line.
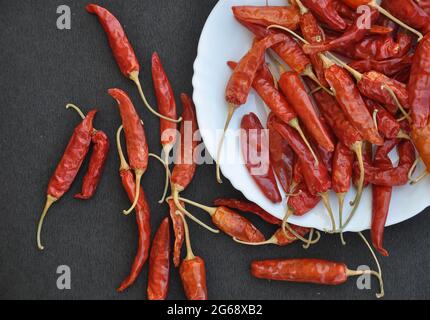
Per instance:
x=345, y=97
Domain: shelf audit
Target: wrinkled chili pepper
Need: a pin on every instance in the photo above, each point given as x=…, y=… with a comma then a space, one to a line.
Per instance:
x=167, y=107
x=377, y=47
x=389, y=67
x=250, y=207
x=387, y=124
x=419, y=84
x=122, y=50
x=325, y=10
x=303, y=201
x=344, y=11
x=425, y=5
x=240, y=83
x=68, y=167
x=421, y=139
x=100, y=142
x=159, y=263
x=287, y=16
x=192, y=271
x=142, y=217
x=279, y=238
x=178, y=229
x=253, y=143
x=137, y=147
x=409, y=12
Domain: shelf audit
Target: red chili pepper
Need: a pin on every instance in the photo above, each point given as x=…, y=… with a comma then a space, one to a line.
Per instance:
x=193, y=271
x=343, y=161
x=254, y=142
x=344, y=11
x=143, y=219
x=287, y=16
x=425, y=5
x=137, y=147
x=388, y=67
x=280, y=238
x=178, y=229
x=325, y=10
x=122, y=50
x=246, y=206
x=68, y=167
x=403, y=76
x=419, y=84
x=421, y=139
x=303, y=201
x=388, y=125
x=376, y=47
x=98, y=158
x=159, y=263
x=409, y=12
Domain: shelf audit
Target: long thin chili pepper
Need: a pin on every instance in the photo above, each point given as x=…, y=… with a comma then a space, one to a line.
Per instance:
x=137, y=147
x=122, y=50
x=178, y=229
x=192, y=271
x=240, y=83
x=265, y=16
x=250, y=207
x=419, y=84
x=377, y=47
x=142, y=216
x=326, y=12
x=388, y=67
x=312, y=271
x=254, y=143
x=167, y=107
x=100, y=142
x=159, y=263
x=354, y=4
x=68, y=167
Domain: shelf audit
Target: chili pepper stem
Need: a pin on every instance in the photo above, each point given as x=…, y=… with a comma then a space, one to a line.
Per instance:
x=209, y=210
x=357, y=75
x=413, y=181
x=326, y=202
x=138, y=176
x=176, y=199
x=166, y=150
x=190, y=254
x=77, y=109
x=294, y=123
x=403, y=135
x=375, y=119
x=341, y=201
x=302, y=8
x=287, y=228
x=393, y=18
x=134, y=76
x=311, y=75
x=275, y=26
x=396, y=101
x=123, y=163
x=49, y=202
x=311, y=235
x=272, y=240
x=231, y=110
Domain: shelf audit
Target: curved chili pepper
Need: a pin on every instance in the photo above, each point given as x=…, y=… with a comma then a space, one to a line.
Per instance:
x=303, y=201
x=250, y=207
x=287, y=16
x=325, y=10
x=193, y=271
x=159, y=263
x=167, y=107
x=142, y=217
x=178, y=229
x=419, y=84
x=389, y=67
x=377, y=47
x=253, y=144
x=421, y=139
x=388, y=125
x=409, y=12
x=122, y=50
x=68, y=167
x=137, y=147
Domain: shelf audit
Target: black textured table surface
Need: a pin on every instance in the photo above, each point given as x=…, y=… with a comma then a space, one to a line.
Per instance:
x=44, y=68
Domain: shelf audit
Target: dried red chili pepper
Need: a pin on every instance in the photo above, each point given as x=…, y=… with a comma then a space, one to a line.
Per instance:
x=344, y=11
x=192, y=271
x=265, y=16
x=68, y=167
x=137, y=147
x=178, y=229
x=159, y=263
x=302, y=201
x=240, y=83
x=142, y=217
x=419, y=84
x=424, y=4
x=388, y=67
x=122, y=50
x=250, y=207
x=98, y=158
x=377, y=47
x=421, y=140
x=279, y=238
x=325, y=10
x=254, y=142
x=167, y=107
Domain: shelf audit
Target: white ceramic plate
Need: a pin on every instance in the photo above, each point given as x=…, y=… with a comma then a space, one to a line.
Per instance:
x=224, y=39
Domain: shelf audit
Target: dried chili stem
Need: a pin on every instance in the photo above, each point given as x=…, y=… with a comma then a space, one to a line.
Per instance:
x=341, y=202
x=166, y=150
x=287, y=228
x=190, y=254
x=325, y=198
x=231, y=109
x=49, y=202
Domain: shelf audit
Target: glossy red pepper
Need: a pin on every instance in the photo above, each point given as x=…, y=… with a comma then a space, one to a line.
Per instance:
x=419, y=84
x=143, y=219
x=255, y=145
x=377, y=47
x=286, y=16
x=325, y=10
x=388, y=67
x=409, y=12
x=178, y=229
x=159, y=263
x=68, y=167
x=137, y=147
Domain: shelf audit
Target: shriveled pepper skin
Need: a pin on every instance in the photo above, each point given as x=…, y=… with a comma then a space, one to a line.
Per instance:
x=388, y=125
x=283, y=240
x=159, y=263
x=301, y=270
x=342, y=168
x=118, y=41
x=143, y=221
x=236, y=226
x=419, y=84
x=377, y=47
x=303, y=201
x=421, y=139
x=389, y=67
x=252, y=142
x=409, y=12
x=326, y=12
x=137, y=147
x=178, y=229
x=193, y=276
x=72, y=159
x=351, y=102
x=98, y=158
x=243, y=75
x=286, y=16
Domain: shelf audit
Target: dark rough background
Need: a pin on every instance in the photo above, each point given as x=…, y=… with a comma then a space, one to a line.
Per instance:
x=44, y=68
